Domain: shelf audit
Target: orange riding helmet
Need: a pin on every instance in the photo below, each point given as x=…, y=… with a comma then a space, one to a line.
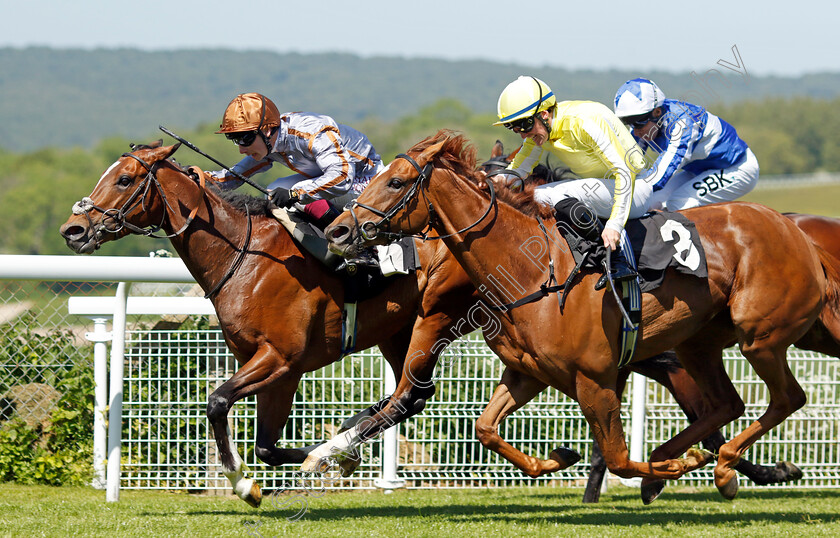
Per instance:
x=249, y=112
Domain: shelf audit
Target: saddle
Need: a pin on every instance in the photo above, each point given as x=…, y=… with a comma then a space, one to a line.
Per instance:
x=659, y=239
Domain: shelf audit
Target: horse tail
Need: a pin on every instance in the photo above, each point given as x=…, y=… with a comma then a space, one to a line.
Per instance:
x=824, y=334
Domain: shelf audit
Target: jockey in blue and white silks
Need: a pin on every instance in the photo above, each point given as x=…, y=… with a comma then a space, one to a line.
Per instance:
x=697, y=158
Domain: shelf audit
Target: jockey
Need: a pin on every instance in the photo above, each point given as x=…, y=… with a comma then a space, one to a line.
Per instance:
x=333, y=162
x=591, y=141
x=698, y=158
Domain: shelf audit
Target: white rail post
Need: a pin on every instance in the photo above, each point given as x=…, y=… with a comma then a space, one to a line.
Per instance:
x=388, y=479
x=638, y=410
x=99, y=337
x=116, y=394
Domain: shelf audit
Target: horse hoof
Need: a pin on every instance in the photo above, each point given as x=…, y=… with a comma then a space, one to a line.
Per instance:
x=651, y=490
x=698, y=457
x=566, y=457
x=729, y=490
x=787, y=472
x=254, y=497
x=349, y=465
x=315, y=464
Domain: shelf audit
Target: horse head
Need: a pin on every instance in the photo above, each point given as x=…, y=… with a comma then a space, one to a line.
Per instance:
x=395, y=202
x=127, y=199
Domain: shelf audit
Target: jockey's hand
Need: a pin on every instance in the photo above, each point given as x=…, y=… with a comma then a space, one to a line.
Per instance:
x=511, y=182
x=611, y=238
x=281, y=197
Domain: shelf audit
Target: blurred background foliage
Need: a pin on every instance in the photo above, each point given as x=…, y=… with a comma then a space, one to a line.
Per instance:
x=793, y=136
x=67, y=115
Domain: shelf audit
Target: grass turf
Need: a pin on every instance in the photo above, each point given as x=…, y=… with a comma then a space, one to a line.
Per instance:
x=44, y=511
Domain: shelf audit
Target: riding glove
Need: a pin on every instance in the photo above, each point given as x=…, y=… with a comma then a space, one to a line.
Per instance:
x=281, y=197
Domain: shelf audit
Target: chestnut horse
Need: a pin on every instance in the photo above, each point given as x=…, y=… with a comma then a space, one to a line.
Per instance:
x=767, y=285
x=426, y=311
x=664, y=368
x=279, y=308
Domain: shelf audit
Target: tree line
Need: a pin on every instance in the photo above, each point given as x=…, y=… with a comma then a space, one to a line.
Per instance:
x=789, y=136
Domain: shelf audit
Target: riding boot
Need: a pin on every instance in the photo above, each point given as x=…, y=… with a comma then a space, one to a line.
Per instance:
x=585, y=223
x=619, y=268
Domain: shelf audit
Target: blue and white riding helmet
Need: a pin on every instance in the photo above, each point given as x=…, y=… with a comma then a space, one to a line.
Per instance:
x=636, y=97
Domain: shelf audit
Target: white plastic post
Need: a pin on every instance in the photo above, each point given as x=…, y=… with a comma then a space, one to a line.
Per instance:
x=99, y=337
x=116, y=393
x=638, y=410
x=388, y=479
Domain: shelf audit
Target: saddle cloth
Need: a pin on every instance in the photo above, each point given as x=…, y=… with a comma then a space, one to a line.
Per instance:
x=663, y=239
x=660, y=239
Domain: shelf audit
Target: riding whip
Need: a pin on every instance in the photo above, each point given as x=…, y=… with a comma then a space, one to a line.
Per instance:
x=195, y=149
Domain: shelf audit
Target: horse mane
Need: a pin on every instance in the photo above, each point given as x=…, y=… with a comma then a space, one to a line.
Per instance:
x=239, y=201
x=243, y=202
x=458, y=156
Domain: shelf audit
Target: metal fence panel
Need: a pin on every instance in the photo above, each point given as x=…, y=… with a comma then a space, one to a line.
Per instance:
x=171, y=371
x=168, y=443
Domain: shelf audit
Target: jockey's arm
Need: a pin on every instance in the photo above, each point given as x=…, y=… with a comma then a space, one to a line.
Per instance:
x=622, y=164
x=680, y=133
x=246, y=167
x=338, y=170
x=523, y=163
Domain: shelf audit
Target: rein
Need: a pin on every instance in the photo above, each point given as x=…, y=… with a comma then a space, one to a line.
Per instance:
x=118, y=216
x=546, y=288
x=370, y=230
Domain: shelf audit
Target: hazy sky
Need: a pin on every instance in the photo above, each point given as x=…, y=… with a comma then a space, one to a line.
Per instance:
x=772, y=36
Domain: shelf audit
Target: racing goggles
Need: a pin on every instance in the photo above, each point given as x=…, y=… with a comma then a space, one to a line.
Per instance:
x=523, y=125
x=637, y=122
x=242, y=139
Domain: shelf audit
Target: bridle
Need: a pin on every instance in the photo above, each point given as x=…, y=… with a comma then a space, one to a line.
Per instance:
x=369, y=230
x=114, y=220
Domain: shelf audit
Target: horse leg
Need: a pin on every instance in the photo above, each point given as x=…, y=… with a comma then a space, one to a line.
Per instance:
x=602, y=409
x=707, y=397
x=252, y=377
x=414, y=387
x=515, y=389
x=667, y=370
x=786, y=396
x=273, y=407
x=598, y=466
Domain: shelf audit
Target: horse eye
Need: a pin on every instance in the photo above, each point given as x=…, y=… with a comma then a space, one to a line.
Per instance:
x=395, y=184
x=125, y=181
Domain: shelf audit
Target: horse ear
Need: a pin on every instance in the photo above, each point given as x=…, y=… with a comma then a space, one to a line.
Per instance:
x=172, y=149
x=498, y=149
x=163, y=153
x=429, y=153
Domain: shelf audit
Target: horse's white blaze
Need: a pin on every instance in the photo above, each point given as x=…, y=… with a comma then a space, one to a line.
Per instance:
x=106, y=173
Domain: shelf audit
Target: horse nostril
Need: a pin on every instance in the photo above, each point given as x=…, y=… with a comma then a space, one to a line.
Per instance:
x=73, y=231
x=337, y=232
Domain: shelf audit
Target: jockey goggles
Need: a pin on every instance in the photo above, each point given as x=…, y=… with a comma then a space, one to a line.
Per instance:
x=523, y=125
x=242, y=139
x=637, y=122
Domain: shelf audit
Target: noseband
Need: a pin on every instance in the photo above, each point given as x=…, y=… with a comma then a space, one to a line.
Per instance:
x=370, y=230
